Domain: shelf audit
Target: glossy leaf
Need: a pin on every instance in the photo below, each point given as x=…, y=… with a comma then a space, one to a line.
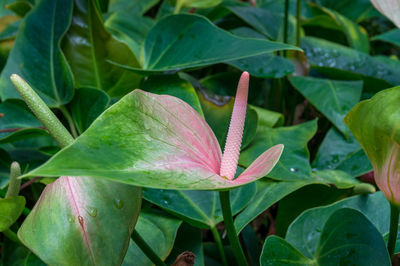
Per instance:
x=262, y=66
x=374, y=124
x=199, y=208
x=37, y=57
x=129, y=29
x=332, y=98
x=389, y=8
x=165, y=42
x=10, y=209
x=268, y=193
x=347, y=237
x=88, y=47
x=159, y=231
x=339, y=61
x=392, y=36
x=133, y=6
x=87, y=105
x=337, y=152
x=305, y=231
x=73, y=217
x=356, y=36
x=181, y=153
x=294, y=164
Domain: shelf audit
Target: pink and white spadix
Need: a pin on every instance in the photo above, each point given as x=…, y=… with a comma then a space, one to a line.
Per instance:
x=160, y=141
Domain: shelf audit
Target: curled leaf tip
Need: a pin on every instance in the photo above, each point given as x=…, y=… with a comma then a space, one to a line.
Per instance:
x=234, y=140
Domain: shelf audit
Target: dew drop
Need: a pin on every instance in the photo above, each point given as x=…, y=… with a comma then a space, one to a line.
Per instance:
x=292, y=169
x=118, y=203
x=92, y=211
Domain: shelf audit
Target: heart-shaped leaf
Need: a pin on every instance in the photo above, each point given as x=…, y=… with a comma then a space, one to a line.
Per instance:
x=348, y=237
x=74, y=216
x=154, y=141
x=162, y=49
x=37, y=57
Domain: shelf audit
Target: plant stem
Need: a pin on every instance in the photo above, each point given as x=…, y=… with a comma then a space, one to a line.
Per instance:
x=15, y=183
x=218, y=240
x=42, y=112
x=394, y=224
x=147, y=249
x=286, y=24
x=12, y=236
x=70, y=121
x=298, y=22
x=230, y=228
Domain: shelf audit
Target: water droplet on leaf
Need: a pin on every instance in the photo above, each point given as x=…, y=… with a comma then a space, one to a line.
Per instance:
x=118, y=203
x=92, y=211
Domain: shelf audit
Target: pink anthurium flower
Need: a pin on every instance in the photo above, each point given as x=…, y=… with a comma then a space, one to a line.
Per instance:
x=160, y=141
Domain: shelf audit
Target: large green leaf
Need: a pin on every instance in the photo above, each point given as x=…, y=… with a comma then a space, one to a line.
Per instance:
x=347, y=238
x=337, y=152
x=133, y=6
x=356, y=10
x=305, y=231
x=356, y=36
x=159, y=231
x=88, y=47
x=199, y=208
x=177, y=42
x=152, y=141
x=74, y=216
x=87, y=105
x=37, y=56
x=294, y=164
x=10, y=209
x=268, y=193
x=332, y=98
x=374, y=124
x=338, y=61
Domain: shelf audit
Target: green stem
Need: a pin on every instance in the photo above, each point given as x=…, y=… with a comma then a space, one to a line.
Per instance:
x=12, y=236
x=42, y=112
x=286, y=25
x=230, y=228
x=218, y=240
x=70, y=121
x=178, y=6
x=298, y=22
x=147, y=249
x=394, y=225
x=15, y=183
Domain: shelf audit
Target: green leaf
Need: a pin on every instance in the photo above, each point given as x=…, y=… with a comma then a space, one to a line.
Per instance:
x=276, y=251
x=392, y=37
x=199, y=208
x=10, y=209
x=88, y=47
x=87, y=105
x=268, y=193
x=267, y=118
x=80, y=213
x=337, y=152
x=374, y=124
x=357, y=36
x=218, y=110
x=339, y=178
x=332, y=98
x=17, y=255
x=348, y=237
x=129, y=29
x=341, y=62
x=162, y=49
x=294, y=163
x=5, y=162
x=37, y=57
x=15, y=116
x=159, y=232
x=20, y=7
x=305, y=231
x=11, y=31
x=149, y=138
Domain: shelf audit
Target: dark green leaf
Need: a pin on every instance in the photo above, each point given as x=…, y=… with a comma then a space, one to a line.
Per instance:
x=392, y=36
x=37, y=56
x=132, y=6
